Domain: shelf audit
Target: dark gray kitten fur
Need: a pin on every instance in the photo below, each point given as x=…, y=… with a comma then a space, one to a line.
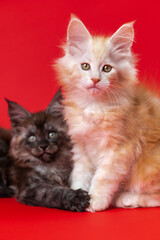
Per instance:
x=5, y=137
x=41, y=156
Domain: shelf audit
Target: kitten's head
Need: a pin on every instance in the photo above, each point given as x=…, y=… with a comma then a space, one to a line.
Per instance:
x=96, y=66
x=37, y=137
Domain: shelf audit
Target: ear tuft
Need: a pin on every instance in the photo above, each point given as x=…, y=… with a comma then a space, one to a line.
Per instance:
x=73, y=16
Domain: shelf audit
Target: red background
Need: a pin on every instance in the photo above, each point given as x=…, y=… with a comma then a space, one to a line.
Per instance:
x=32, y=30
x=30, y=33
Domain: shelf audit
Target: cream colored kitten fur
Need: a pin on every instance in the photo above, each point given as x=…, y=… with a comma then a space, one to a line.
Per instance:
x=114, y=123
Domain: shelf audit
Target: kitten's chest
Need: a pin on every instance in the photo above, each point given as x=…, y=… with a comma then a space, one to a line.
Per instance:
x=91, y=125
x=53, y=174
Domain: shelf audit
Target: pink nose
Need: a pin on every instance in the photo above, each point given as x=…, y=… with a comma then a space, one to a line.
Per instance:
x=95, y=80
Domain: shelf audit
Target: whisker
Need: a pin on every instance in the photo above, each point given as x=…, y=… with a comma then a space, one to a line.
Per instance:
x=112, y=96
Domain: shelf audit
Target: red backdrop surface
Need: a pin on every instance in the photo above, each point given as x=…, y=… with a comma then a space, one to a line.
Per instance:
x=30, y=33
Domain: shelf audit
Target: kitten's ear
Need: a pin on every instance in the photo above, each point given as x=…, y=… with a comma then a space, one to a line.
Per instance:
x=77, y=36
x=122, y=39
x=17, y=113
x=55, y=107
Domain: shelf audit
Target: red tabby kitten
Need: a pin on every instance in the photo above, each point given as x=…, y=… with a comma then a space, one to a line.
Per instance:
x=113, y=121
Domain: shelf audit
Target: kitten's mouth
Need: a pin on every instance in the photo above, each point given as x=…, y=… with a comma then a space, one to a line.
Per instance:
x=46, y=157
x=94, y=89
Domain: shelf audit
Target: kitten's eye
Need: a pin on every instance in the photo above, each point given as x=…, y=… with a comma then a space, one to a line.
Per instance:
x=32, y=138
x=85, y=66
x=107, y=68
x=52, y=135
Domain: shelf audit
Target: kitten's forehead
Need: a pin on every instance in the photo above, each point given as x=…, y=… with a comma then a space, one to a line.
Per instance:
x=99, y=47
x=39, y=119
x=56, y=124
x=36, y=121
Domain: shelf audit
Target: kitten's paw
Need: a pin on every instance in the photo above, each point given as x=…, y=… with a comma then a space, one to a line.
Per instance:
x=77, y=200
x=127, y=200
x=97, y=205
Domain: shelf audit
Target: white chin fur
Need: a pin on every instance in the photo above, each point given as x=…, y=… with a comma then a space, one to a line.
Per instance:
x=94, y=91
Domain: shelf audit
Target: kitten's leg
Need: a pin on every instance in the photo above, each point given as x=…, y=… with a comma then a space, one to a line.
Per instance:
x=112, y=169
x=133, y=200
x=54, y=196
x=82, y=171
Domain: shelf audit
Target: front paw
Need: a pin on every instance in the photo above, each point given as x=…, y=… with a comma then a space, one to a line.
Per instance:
x=77, y=200
x=127, y=200
x=97, y=205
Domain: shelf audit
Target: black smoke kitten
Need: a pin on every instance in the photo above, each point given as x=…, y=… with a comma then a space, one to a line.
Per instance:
x=5, y=137
x=41, y=153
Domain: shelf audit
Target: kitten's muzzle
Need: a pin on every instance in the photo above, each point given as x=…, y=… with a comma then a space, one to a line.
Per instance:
x=93, y=89
x=44, y=150
x=48, y=154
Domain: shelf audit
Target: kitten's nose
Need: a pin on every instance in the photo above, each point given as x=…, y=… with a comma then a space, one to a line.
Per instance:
x=95, y=80
x=43, y=146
